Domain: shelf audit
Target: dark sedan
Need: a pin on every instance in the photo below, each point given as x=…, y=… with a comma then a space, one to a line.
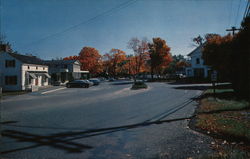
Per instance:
x=95, y=81
x=78, y=84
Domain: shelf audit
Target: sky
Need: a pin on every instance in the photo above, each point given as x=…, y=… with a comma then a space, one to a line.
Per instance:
x=59, y=28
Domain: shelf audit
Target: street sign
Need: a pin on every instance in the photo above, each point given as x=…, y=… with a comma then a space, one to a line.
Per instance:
x=214, y=76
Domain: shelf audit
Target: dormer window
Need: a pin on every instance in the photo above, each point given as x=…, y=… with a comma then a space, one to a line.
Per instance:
x=197, y=61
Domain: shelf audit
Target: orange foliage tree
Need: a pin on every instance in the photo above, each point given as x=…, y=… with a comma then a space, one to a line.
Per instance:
x=217, y=53
x=141, y=55
x=160, y=56
x=114, y=62
x=91, y=60
x=130, y=65
x=71, y=58
x=230, y=56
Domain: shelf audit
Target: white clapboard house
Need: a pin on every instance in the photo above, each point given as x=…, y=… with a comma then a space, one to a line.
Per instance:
x=197, y=68
x=21, y=72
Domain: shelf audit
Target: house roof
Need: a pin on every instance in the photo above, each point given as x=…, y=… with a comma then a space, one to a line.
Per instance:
x=199, y=47
x=60, y=61
x=29, y=59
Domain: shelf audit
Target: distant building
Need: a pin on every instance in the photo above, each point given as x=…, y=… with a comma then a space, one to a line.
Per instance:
x=197, y=68
x=65, y=70
x=21, y=72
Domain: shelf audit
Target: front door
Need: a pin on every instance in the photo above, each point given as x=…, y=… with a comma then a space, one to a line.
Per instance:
x=36, y=81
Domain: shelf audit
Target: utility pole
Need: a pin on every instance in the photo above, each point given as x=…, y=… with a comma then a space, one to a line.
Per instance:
x=233, y=29
x=247, y=11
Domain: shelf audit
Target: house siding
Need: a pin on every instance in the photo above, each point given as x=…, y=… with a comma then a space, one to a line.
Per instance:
x=63, y=71
x=20, y=71
x=33, y=68
x=197, y=67
x=10, y=71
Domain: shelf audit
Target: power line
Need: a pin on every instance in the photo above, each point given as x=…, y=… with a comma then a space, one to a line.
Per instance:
x=247, y=10
x=107, y=12
x=236, y=18
x=230, y=13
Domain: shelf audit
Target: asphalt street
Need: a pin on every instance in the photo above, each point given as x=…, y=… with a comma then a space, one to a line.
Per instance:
x=108, y=121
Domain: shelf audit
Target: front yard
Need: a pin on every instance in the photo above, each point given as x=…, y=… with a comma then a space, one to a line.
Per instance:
x=226, y=118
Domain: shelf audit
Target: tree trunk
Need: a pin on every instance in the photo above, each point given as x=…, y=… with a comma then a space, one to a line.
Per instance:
x=152, y=74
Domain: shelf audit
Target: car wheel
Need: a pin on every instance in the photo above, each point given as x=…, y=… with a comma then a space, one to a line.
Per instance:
x=68, y=86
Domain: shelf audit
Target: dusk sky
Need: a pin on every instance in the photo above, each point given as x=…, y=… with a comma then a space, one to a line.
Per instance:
x=60, y=28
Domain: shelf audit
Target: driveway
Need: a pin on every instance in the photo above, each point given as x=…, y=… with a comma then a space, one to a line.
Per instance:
x=107, y=121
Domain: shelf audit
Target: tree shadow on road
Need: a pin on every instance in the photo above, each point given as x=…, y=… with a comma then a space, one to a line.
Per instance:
x=193, y=87
x=122, y=83
x=64, y=141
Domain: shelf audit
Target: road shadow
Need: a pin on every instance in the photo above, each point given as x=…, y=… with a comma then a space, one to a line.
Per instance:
x=193, y=87
x=40, y=140
x=64, y=140
x=220, y=95
x=223, y=91
x=122, y=83
x=9, y=122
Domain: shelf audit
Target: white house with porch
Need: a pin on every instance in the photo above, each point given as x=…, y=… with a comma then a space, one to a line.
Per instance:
x=197, y=68
x=65, y=70
x=21, y=72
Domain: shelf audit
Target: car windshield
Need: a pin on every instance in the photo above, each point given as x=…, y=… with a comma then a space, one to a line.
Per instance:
x=125, y=79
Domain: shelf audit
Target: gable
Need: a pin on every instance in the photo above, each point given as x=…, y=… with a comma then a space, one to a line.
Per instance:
x=196, y=52
x=5, y=56
x=77, y=62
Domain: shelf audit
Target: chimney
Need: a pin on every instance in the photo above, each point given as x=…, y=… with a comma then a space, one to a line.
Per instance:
x=5, y=47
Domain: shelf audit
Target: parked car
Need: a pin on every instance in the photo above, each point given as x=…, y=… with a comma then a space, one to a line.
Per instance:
x=89, y=82
x=95, y=81
x=78, y=83
x=111, y=79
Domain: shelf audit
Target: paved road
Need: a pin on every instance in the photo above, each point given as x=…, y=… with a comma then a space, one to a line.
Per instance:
x=107, y=121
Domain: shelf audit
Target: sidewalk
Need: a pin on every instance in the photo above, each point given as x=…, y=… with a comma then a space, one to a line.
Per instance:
x=49, y=88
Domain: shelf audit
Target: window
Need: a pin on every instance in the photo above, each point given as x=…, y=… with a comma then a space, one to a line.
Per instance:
x=43, y=68
x=10, y=63
x=10, y=80
x=197, y=61
x=65, y=66
x=28, y=67
x=36, y=67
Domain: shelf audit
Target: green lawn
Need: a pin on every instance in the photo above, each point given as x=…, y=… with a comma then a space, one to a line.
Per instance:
x=226, y=117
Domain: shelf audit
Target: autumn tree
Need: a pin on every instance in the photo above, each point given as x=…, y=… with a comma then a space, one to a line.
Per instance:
x=230, y=55
x=130, y=65
x=217, y=53
x=160, y=56
x=114, y=61
x=241, y=60
x=71, y=58
x=141, y=55
x=90, y=60
x=178, y=63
